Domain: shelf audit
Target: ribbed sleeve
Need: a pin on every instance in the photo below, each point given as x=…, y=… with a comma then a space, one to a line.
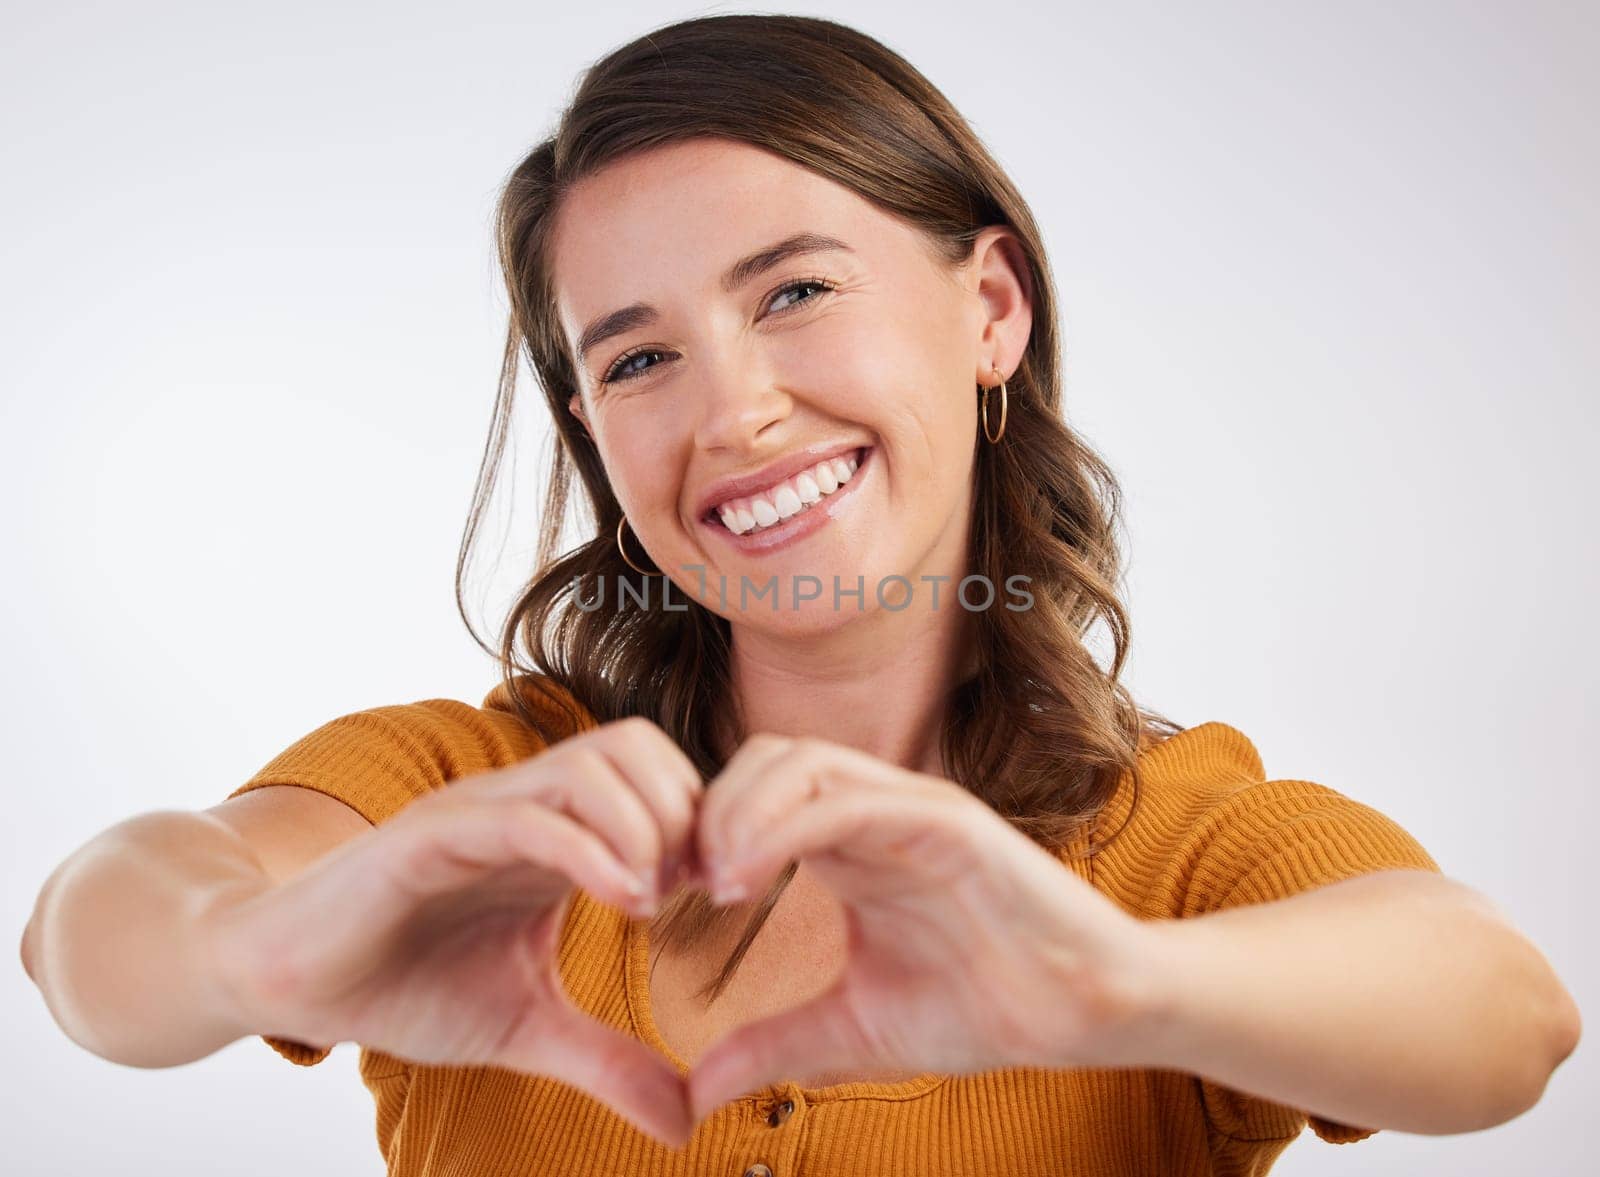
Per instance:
x=379, y=760
x=1269, y=841
x=1210, y=832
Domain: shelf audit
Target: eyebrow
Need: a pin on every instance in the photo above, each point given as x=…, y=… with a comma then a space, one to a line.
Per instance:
x=642, y=314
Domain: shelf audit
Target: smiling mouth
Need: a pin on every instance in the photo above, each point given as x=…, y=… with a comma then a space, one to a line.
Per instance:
x=794, y=496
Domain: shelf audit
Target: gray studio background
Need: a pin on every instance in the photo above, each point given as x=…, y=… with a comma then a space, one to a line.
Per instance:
x=1328, y=277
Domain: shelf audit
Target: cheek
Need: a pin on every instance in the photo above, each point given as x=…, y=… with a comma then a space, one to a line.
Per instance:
x=912, y=385
x=865, y=369
x=833, y=359
x=637, y=463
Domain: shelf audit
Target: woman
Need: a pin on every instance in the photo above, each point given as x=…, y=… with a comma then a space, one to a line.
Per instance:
x=971, y=909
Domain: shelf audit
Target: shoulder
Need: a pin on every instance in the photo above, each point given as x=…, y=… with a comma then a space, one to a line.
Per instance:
x=378, y=759
x=455, y=737
x=553, y=708
x=1180, y=780
x=452, y=738
x=1208, y=828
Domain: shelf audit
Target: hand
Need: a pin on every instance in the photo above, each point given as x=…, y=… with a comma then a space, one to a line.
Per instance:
x=434, y=936
x=970, y=946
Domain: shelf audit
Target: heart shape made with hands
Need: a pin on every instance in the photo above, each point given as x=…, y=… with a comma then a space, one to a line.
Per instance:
x=969, y=946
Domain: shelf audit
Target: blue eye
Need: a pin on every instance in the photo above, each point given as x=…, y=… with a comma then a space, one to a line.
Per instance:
x=802, y=284
x=618, y=372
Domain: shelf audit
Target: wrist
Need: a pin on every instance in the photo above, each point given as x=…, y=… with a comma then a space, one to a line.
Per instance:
x=1141, y=1007
x=222, y=962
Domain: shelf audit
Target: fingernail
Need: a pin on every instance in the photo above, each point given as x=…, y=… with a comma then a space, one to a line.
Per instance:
x=727, y=890
x=642, y=890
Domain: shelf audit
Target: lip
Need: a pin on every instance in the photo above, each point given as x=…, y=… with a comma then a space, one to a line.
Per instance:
x=739, y=485
x=802, y=524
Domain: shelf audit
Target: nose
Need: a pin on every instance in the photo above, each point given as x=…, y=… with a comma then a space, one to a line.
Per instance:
x=735, y=404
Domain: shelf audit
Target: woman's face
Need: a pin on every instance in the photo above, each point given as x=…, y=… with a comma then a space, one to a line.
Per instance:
x=868, y=351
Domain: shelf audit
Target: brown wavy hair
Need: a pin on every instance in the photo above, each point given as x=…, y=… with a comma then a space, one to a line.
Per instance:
x=1041, y=732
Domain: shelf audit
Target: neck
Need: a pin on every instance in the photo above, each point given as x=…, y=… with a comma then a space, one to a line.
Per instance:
x=880, y=684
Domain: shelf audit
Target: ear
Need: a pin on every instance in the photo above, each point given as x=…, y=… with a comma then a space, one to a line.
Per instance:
x=575, y=407
x=999, y=274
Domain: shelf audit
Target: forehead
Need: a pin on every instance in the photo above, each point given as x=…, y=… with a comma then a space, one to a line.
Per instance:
x=672, y=218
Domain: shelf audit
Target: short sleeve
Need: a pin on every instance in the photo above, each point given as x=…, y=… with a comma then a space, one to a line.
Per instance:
x=1268, y=841
x=379, y=760
x=376, y=761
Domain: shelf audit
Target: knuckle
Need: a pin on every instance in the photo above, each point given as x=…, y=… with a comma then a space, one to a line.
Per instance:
x=584, y=760
x=554, y=795
x=415, y=848
x=764, y=742
x=634, y=728
x=587, y=756
x=526, y=820
x=532, y=828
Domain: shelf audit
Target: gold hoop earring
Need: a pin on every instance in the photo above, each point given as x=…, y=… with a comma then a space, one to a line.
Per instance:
x=984, y=408
x=624, y=551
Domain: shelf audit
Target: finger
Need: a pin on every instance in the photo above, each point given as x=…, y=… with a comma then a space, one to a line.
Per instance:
x=643, y=760
x=661, y=758
x=616, y=1069
x=449, y=846
x=665, y=777
x=818, y=1036
x=809, y=769
x=889, y=831
x=746, y=771
x=584, y=783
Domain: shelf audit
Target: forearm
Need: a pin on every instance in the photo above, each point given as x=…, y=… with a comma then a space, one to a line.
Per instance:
x=1385, y=1001
x=117, y=941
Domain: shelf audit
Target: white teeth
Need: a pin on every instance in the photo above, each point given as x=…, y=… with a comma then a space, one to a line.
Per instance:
x=737, y=520
x=789, y=498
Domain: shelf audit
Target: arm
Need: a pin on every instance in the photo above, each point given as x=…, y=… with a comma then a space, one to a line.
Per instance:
x=118, y=940
x=1399, y=999
x=115, y=943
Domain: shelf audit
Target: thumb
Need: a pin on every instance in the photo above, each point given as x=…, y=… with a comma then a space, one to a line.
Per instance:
x=820, y=1035
x=617, y=1069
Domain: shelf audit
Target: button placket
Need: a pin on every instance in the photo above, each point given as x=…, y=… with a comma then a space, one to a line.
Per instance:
x=775, y=1112
x=780, y=1112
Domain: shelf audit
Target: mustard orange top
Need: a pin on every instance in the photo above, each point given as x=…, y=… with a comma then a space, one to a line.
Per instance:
x=1210, y=831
